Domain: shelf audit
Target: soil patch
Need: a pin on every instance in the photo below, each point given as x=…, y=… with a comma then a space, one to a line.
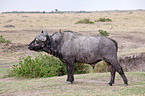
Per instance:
x=6, y=48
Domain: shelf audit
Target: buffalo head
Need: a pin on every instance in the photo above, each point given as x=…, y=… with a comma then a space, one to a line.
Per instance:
x=39, y=42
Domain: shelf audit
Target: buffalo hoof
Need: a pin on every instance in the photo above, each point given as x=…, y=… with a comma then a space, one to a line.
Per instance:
x=68, y=82
x=109, y=84
x=125, y=85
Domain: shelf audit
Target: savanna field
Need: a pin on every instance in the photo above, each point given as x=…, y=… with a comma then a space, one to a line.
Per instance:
x=19, y=29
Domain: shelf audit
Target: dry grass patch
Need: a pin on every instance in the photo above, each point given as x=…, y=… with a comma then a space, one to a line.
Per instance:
x=84, y=85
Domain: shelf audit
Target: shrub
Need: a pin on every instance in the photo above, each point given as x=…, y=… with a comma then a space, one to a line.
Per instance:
x=43, y=66
x=81, y=68
x=2, y=40
x=85, y=21
x=101, y=67
x=104, y=33
x=130, y=12
x=103, y=20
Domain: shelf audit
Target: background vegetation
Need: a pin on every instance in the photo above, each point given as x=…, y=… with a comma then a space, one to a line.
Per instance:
x=3, y=40
x=103, y=20
x=84, y=21
x=104, y=33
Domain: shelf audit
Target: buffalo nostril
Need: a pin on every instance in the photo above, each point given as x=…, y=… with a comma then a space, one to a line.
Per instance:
x=30, y=48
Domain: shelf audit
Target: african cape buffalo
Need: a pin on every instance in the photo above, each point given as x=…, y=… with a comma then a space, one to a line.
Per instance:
x=71, y=47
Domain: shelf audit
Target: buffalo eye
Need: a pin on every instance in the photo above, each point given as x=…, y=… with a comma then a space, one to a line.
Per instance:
x=37, y=41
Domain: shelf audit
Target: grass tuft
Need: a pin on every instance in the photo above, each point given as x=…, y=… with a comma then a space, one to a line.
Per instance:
x=3, y=40
x=103, y=20
x=104, y=33
x=85, y=21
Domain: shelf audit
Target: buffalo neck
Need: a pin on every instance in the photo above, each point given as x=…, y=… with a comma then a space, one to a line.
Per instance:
x=52, y=48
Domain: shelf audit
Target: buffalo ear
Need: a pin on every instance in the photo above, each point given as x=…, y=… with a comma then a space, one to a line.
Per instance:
x=46, y=34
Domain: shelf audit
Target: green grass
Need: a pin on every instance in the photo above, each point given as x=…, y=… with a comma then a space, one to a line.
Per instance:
x=3, y=40
x=104, y=33
x=93, y=84
x=84, y=21
x=103, y=20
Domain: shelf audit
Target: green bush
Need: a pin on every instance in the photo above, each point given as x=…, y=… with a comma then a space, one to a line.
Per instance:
x=101, y=67
x=85, y=21
x=103, y=20
x=2, y=40
x=81, y=68
x=130, y=12
x=104, y=33
x=43, y=66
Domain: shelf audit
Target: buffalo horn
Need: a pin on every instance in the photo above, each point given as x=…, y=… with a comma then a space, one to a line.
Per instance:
x=46, y=33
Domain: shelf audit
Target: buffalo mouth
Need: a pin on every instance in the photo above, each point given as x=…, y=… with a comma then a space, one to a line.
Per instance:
x=30, y=48
x=36, y=48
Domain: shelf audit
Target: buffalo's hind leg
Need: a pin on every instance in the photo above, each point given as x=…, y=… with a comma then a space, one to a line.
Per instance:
x=114, y=65
x=112, y=71
x=120, y=71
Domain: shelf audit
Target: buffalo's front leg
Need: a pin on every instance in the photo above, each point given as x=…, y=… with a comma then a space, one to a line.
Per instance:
x=70, y=71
